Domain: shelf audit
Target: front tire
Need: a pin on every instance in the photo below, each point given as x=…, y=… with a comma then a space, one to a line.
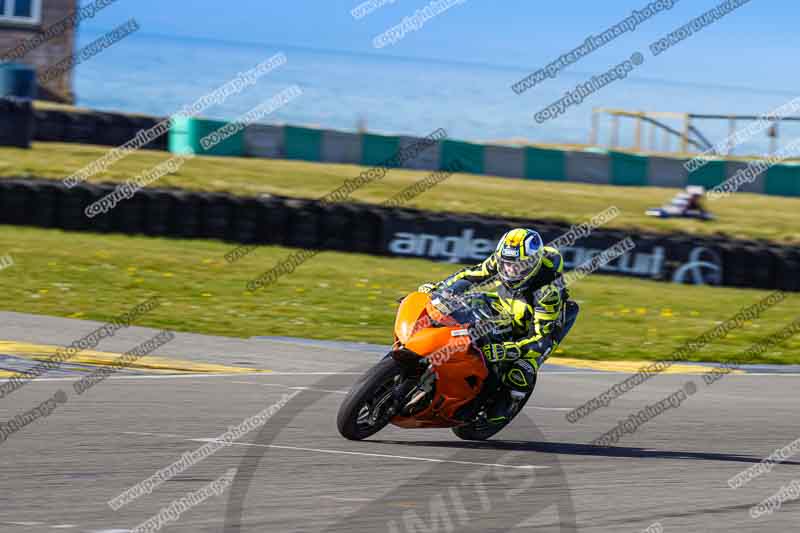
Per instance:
x=357, y=419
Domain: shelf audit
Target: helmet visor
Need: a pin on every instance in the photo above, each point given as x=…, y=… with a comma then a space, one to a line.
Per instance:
x=516, y=270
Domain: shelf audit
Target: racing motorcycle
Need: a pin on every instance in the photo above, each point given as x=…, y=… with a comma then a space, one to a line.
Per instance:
x=435, y=376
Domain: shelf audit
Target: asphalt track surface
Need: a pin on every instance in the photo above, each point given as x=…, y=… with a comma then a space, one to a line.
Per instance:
x=296, y=473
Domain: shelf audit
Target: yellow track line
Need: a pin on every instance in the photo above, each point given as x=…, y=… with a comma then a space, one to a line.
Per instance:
x=630, y=367
x=149, y=363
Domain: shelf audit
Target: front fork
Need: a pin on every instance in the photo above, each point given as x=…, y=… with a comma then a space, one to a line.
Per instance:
x=418, y=381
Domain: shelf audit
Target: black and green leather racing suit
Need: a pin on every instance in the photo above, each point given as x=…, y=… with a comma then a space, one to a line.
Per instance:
x=539, y=314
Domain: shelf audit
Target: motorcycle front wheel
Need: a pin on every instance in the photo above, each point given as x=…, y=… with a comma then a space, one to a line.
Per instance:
x=367, y=407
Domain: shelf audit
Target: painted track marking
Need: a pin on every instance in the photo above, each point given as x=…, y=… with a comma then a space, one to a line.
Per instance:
x=343, y=452
x=192, y=376
x=381, y=455
x=290, y=387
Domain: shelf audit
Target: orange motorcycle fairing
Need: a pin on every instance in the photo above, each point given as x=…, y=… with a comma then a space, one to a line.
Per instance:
x=460, y=370
x=411, y=310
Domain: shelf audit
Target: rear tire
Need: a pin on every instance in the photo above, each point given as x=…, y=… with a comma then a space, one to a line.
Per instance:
x=484, y=430
x=363, y=396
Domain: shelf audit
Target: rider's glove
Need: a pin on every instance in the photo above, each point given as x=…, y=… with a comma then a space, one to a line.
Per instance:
x=427, y=288
x=507, y=351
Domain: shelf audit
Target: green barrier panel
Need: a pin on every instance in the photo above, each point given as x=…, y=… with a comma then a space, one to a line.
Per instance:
x=783, y=180
x=469, y=155
x=709, y=175
x=543, y=164
x=377, y=149
x=303, y=143
x=190, y=134
x=628, y=169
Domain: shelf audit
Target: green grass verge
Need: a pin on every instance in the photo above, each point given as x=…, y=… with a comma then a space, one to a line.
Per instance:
x=342, y=296
x=741, y=215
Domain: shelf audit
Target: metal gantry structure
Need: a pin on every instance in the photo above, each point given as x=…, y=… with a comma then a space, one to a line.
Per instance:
x=689, y=137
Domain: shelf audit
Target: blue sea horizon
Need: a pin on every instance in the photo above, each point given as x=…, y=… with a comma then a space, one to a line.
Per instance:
x=158, y=75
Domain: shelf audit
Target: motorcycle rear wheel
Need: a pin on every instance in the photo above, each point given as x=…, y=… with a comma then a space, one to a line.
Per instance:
x=356, y=419
x=483, y=430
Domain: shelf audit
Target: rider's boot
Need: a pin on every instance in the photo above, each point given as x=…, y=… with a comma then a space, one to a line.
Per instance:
x=518, y=382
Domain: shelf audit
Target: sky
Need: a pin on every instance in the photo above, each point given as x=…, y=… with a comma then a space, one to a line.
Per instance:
x=753, y=47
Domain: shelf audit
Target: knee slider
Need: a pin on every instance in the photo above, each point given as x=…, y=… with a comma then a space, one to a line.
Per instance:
x=521, y=376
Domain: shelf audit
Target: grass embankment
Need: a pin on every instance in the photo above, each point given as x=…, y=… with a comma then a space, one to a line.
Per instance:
x=342, y=296
x=741, y=215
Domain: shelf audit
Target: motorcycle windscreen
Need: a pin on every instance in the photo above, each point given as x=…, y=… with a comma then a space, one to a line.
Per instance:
x=408, y=314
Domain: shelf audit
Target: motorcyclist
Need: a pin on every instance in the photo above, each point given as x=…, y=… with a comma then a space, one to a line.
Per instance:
x=522, y=275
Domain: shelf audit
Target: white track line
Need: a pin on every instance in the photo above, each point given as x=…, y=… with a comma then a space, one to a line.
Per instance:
x=582, y=372
x=342, y=452
x=347, y=500
x=310, y=373
x=290, y=387
x=149, y=434
x=345, y=392
x=320, y=390
x=382, y=455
